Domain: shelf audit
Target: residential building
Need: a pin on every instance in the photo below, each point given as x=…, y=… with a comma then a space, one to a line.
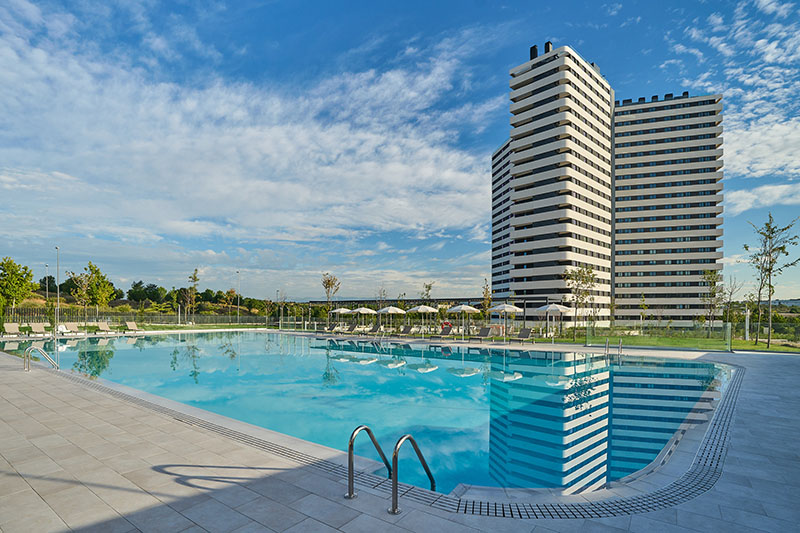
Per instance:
x=668, y=212
x=560, y=168
x=632, y=189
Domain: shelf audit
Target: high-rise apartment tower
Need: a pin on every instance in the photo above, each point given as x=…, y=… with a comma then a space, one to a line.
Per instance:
x=632, y=190
x=668, y=212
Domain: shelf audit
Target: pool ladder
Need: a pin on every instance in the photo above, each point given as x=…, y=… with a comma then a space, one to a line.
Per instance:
x=351, y=493
x=26, y=359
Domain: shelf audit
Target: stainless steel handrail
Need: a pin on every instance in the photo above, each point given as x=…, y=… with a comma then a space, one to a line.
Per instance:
x=395, y=508
x=619, y=349
x=26, y=360
x=606, y=350
x=351, y=493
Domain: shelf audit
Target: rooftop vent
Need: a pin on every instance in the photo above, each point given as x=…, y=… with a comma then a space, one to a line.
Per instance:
x=548, y=47
x=668, y=96
x=641, y=100
x=654, y=98
x=534, y=51
x=686, y=94
x=627, y=101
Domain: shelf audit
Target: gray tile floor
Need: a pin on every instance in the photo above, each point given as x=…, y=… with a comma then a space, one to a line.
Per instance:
x=73, y=458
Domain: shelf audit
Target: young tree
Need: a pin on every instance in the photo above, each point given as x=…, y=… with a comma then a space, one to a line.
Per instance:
x=729, y=291
x=192, y=293
x=101, y=290
x=581, y=282
x=487, y=298
x=425, y=295
x=331, y=285
x=642, y=312
x=774, y=242
x=714, y=297
x=16, y=281
x=80, y=291
x=612, y=310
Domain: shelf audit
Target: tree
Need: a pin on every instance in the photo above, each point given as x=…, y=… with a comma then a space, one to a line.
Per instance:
x=729, y=293
x=81, y=289
x=642, y=313
x=612, y=310
x=15, y=281
x=331, y=285
x=713, y=297
x=580, y=282
x=136, y=292
x=100, y=290
x=48, y=283
x=192, y=293
x=425, y=295
x=487, y=298
x=774, y=242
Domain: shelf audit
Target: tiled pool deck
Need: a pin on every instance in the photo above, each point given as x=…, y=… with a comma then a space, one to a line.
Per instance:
x=84, y=457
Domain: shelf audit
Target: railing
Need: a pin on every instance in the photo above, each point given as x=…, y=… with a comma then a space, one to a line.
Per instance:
x=350, y=468
x=26, y=359
x=395, y=509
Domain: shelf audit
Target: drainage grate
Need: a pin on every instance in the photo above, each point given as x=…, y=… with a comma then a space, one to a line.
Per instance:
x=701, y=476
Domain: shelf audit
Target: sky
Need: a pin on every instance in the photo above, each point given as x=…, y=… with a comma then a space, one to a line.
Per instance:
x=286, y=139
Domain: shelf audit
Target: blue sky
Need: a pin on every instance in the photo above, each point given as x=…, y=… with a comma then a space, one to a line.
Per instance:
x=285, y=139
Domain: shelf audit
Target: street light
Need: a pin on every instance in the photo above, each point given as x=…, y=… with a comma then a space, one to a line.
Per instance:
x=58, y=287
x=47, y=282
x=238, y=292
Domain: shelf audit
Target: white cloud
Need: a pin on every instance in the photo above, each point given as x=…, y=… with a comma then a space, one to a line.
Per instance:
x=612, y=9
x=122, y=157
x=739, y=201
x=773, y=7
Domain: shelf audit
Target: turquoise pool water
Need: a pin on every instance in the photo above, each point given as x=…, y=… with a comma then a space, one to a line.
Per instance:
x=500, y=417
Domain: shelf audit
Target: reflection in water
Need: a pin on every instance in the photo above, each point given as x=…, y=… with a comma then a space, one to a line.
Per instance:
x=94, y=356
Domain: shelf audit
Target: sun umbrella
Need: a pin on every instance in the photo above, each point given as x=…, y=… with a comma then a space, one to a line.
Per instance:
x=464, y=309
x=504, y=309
x=553, y=308
x=363, y=311
x=391, y=310
x=341, y=311
x=424, y=310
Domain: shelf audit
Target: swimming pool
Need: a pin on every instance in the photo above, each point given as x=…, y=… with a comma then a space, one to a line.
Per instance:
x=491, y=417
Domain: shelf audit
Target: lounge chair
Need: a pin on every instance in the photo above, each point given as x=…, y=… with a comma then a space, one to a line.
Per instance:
x=102, y=328
x=131, y=327
x=11, y=329
x=523, y=335
x=376, y=328
x=351, y=329
x=405, y=331
x=74, y=328
x=444, y=333
x=37, y=329
x=482, y=334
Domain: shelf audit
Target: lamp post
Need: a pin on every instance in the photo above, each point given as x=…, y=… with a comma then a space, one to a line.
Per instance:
x=238, y=292
x=58, y=287
x=46, y=282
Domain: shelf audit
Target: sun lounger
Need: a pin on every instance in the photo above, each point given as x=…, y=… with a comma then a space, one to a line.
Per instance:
x=102, y=328
x=444, y=333
x=351, y=329
x=74, y=328
x=37, y=329
x=405, y=331
x=11, y=329
x=374, y=331
x=131, y=327
x=523, y=335
x=482, y=334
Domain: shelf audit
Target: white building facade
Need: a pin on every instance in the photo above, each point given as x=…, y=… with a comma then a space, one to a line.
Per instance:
x=632, y=190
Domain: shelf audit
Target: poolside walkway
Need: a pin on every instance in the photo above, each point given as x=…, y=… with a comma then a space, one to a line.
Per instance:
x=72, y=457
